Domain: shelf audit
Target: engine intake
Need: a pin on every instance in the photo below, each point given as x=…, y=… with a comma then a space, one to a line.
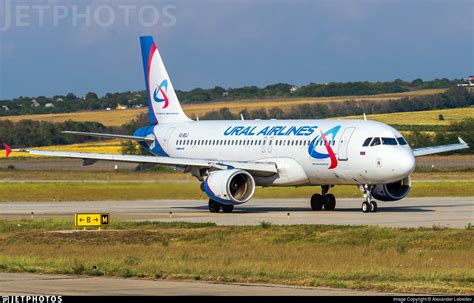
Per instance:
x=229, y=187
x=392, y=191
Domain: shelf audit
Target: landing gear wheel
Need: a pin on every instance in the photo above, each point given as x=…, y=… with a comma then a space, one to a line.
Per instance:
x=227, y=208
x=373, y=207
x=214, y=207
x=365, y=207
x=317, y=202
x=329, y=202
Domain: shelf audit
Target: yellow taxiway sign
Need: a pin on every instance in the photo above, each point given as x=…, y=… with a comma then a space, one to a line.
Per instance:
x=84, y=220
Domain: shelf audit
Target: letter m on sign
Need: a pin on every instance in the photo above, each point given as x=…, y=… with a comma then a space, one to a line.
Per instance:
x=104, y=219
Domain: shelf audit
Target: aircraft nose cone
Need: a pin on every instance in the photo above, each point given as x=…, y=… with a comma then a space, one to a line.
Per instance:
x=406, y=163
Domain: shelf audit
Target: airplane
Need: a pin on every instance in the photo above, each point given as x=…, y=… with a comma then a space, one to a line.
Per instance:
x=231, y=158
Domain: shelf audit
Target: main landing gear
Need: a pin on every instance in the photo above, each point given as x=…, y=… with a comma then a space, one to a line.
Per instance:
x=215, y=207
x=369, y=205
x=323, y=199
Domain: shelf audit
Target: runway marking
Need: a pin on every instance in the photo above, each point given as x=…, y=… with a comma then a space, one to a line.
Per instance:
x=410, y=212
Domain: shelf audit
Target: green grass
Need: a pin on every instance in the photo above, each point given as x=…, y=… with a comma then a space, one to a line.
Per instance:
x=161, y=173
x=68, y=191
x=359, y=257
x=426, y=117
x=165, y=174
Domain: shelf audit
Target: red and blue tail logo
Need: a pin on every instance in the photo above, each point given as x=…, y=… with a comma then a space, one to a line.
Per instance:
x=312, y=148
x=159, y=95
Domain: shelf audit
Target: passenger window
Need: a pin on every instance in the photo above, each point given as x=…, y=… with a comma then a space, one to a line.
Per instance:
x=401, y=141
x=375, y=142
x=367, y=141
x=389, y=141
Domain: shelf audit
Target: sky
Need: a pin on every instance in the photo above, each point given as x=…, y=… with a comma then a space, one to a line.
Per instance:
x=52, y=47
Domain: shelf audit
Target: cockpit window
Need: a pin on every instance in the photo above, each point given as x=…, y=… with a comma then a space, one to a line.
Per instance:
x=401, y=141
x=389, y=141
x=375, y=142
x=367, y=141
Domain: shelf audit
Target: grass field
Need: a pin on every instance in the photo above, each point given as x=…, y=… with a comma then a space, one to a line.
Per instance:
x=119, y=117
x=358, y=257
x=168, y=176
x=94, y=191
x=422, y=117
x=407, y=118
x=104, y=147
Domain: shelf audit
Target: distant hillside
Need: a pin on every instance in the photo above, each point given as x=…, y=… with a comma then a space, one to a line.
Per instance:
x=72, y=103
x=413, y=112
x=120, y=117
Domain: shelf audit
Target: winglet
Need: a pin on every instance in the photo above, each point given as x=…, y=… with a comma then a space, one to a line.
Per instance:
x=8, y=150
x=462, y=141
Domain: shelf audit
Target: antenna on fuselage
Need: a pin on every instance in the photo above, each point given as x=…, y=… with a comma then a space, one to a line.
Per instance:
x=242, y=117
x=365, y=117
x=197, y=118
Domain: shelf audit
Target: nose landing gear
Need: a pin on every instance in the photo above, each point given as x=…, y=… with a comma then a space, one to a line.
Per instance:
x=323, y=199
x=369, y=205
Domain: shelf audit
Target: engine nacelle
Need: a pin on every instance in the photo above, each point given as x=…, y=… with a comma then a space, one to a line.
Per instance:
x=392, y=191
x=230, y=187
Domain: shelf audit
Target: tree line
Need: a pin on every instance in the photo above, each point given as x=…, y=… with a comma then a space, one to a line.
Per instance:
x=454, y=97
x=28, y=133
x=91, y=101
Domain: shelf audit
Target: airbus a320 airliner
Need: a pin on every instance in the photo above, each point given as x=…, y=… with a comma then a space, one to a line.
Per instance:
x=231, y=158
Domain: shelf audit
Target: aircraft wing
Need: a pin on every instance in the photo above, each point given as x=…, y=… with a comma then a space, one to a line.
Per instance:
x=89, y=158
x=440, y=149
x=111, y=136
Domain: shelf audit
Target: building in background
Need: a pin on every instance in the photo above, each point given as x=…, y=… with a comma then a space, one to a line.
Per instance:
x=470, y=82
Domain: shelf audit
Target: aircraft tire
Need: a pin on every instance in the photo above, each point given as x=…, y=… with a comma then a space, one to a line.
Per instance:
x=227, y=208
x=317, y=202
x=365, y=207
x=214, y=207
x=329, y=202
x=373, y=207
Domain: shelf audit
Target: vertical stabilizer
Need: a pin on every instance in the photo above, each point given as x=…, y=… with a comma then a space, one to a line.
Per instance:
x=163, y=104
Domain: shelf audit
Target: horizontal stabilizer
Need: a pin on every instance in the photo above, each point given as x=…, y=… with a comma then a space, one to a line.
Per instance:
x=112, y=136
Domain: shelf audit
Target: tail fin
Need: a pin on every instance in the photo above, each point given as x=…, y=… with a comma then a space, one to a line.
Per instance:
x=163, y=104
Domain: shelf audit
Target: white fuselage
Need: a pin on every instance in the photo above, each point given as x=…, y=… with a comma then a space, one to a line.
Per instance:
x=298, y=147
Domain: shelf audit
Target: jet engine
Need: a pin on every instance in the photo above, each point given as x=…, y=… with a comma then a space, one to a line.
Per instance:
x=229, y=187
x=392, y=191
